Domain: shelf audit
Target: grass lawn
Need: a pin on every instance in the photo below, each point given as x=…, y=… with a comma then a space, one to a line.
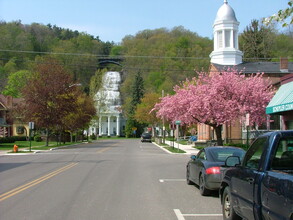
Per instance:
x=24, y=145
x=175, y=150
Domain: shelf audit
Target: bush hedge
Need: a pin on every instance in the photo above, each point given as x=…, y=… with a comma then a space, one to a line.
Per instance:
x=12, y=139
x=93, y=137
x=37, y=138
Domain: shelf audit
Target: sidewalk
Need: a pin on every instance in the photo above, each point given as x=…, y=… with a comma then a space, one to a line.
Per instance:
x=189, y=149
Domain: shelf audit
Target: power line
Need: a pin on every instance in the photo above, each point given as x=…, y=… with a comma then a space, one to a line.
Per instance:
x=122, y=56
x=101, y=56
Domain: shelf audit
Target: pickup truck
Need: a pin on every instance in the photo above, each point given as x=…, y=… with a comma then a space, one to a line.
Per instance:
x=261, y=187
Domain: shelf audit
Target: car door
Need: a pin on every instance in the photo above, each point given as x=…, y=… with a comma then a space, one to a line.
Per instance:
x=246, y=179
x=277, y=185
x=198, y=164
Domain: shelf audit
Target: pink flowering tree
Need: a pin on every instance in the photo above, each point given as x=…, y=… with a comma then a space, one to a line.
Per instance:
x=218, y=99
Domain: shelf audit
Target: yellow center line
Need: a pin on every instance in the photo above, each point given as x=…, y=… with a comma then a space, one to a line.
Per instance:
x=35, y=182
x=102, y=150
x=106, y=148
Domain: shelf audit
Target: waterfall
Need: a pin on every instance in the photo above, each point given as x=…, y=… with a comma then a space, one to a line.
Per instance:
x=108, y=105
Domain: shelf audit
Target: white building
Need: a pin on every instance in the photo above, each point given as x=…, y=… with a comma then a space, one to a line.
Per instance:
x=225, y=28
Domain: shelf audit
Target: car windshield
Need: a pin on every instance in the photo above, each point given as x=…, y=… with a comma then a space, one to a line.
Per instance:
x=221, y=154
x=146, y=135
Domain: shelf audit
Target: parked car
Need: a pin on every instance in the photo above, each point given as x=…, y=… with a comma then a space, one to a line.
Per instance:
x=207, y=167
x=146, y=137
x=261, y=187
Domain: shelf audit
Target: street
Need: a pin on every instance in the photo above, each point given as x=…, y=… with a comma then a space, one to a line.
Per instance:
x=110, y=179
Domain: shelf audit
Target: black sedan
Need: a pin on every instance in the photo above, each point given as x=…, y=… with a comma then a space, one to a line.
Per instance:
x=146, y=137
x=206, y=168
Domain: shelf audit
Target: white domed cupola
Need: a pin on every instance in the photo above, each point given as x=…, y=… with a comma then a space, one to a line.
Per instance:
x=226, y=50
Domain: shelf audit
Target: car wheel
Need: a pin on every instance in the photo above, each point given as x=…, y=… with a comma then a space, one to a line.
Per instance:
x=227, y=208
x=189, y=182
x=202, y=189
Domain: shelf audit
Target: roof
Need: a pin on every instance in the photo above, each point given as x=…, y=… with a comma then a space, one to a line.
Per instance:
x=255, y=67
x=6, y=102
x=226, y=13
x=282, y=101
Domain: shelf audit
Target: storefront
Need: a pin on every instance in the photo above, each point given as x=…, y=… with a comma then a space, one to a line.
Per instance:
x=282, y=104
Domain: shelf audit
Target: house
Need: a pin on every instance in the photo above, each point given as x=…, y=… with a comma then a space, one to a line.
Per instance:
x=10, y=126
x=226, y=55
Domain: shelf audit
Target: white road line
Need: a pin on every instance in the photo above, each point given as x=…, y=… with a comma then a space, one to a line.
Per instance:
x=171, y=180
x=180, y=216
x=201, y=215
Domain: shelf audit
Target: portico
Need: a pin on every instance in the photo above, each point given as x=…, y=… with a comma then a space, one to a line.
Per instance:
x=110, y=125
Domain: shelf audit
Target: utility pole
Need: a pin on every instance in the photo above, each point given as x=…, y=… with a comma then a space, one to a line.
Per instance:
x=163, y=122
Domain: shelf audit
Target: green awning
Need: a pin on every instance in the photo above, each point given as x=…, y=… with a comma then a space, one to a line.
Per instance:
x=282, y=101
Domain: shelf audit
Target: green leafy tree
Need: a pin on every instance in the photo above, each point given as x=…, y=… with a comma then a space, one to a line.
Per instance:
x=144, y=113
x=256, y=41
x=96, y=81
x=284, y=16
x=49, y=96
x=16, y=81
x=83, y=114
x=3, y=78
x=136, y=96
x=283, y=45
x=173, y=55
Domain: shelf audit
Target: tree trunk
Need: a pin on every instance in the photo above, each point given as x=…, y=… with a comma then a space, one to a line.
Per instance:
x=218, y=130
x=47, y=137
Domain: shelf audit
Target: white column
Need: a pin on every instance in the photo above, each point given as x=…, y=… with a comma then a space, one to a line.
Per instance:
x=224, y=38
x=109, y=126
x=231, y=39
x=236, y=39
x=100, y=126
x=215, y=40
x=118, y=125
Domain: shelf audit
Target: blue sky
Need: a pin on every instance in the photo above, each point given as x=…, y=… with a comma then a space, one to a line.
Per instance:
x=112, y=20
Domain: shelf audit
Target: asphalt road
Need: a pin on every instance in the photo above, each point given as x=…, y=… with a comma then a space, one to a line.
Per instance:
x=107, y=180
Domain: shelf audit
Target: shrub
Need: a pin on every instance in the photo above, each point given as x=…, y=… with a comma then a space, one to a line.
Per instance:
x=12, y=139
x=37, y=138
x=93, y=137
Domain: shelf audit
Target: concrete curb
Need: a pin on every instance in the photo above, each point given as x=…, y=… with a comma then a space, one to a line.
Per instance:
x=187, y=148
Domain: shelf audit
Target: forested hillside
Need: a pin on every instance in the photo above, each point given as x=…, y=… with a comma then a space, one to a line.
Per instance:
x=21, y=46
x=163, y=57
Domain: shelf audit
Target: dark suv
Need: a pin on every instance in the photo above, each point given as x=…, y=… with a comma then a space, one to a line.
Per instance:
x=146, y=137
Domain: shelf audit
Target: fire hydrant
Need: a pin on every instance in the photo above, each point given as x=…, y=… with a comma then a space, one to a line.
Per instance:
x=15, y=148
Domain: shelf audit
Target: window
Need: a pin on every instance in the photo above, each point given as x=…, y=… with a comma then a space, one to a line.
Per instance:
x=220, y=39
x=202, y=156
x=254, y=153
x=283, y=157
x=227, y=38
x=274, y=122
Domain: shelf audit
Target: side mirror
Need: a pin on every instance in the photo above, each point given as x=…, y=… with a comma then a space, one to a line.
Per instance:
x=193, y=157
x=232, y=161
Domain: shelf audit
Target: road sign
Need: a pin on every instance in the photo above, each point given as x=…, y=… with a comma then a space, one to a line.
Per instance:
x=177, y=122
x=31, y=125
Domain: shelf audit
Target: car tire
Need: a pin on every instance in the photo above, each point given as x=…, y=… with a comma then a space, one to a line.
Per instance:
x=227, y=208
x=188, y=181
x=202, y=189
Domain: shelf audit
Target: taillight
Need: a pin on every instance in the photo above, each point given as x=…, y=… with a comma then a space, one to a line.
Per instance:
x=213, y=170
